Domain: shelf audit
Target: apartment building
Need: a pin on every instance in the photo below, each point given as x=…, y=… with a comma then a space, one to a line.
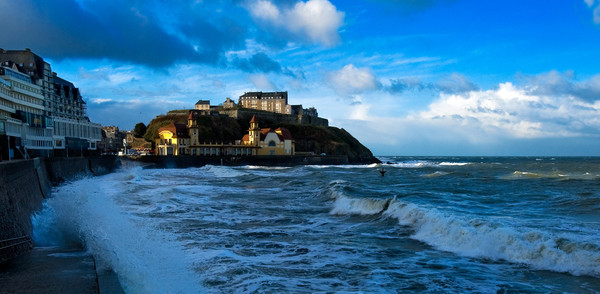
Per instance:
x=40, y=113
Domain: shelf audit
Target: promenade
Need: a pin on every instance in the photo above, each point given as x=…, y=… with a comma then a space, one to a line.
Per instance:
x=55, y=270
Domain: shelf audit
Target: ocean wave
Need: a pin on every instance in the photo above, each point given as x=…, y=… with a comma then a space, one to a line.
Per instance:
x=480, y=239
x=223, y=171
x=517, y=175
x=435, y=174
x=266, y=167
x=454, y=163
x=347, y=166
x=85, y=212
x=425, y=164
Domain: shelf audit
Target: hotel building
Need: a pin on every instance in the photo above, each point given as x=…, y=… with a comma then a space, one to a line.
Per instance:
x=40, y=113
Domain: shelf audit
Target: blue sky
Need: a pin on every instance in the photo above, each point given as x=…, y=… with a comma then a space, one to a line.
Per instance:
x=405, y=77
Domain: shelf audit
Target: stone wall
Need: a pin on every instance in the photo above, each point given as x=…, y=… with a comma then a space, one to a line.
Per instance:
x=24, y=184
x=274, y=118
x=20, y=195
x=197, y=161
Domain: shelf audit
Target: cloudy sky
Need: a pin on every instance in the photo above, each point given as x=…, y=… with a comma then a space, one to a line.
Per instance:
x=405, y=77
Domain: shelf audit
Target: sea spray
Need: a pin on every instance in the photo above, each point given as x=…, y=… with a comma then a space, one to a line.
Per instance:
x=427, y=226
x=85, y=212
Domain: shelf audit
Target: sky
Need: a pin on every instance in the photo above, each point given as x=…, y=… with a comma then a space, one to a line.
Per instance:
x=405, y=77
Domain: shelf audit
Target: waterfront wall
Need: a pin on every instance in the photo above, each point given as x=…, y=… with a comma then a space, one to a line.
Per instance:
x=274, y=118
x=24, y=184
x=197, y=161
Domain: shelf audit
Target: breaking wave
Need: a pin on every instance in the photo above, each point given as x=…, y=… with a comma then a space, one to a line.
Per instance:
x=516, y=175
x=85, y=212
x=479, y=238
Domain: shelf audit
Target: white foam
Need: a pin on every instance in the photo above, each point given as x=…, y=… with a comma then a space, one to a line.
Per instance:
x=223, y=171
x=362, y=206
x=346, y=166
x=481, y=239
x=85, y=211
x=454, y=163
x=265, y=167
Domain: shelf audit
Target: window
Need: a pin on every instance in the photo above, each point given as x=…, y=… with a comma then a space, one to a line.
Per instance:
x=272, y=144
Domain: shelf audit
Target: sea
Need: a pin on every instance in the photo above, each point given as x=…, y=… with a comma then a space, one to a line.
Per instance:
x=430, y=224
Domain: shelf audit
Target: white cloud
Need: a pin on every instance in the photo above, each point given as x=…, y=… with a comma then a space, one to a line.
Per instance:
x=505, y=120
x=555, y=83
x=359, y=110
x=595, y=5
x=316, y=21
x=262, y=82
x=511, y=112
x=352, y=80
x=455, y=83
x=101, y=100
x=266, y=10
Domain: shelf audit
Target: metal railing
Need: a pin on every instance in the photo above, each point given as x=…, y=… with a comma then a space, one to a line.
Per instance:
x=13, y=242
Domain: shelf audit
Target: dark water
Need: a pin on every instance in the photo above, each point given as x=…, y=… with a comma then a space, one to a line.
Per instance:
x=430, y=225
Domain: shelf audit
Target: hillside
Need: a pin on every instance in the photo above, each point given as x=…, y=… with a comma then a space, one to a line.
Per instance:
x=308, y=138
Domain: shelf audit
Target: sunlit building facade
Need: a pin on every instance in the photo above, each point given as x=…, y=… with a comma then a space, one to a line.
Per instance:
x=178, y=139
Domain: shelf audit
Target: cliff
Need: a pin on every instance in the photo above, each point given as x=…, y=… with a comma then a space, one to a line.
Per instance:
x=309, y=138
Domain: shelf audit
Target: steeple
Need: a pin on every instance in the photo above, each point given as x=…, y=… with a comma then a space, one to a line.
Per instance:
x=192, y=120
x=254, y=131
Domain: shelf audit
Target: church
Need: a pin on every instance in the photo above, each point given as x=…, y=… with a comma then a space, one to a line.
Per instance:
x=177, y=139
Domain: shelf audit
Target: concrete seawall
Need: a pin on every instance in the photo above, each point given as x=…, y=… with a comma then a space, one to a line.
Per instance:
x=24, y=184
x=197, y=161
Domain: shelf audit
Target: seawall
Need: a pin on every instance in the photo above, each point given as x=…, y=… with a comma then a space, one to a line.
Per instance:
x=197, y=161
x=24, y=184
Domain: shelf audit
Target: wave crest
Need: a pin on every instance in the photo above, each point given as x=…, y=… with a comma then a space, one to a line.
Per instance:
x=481, y=239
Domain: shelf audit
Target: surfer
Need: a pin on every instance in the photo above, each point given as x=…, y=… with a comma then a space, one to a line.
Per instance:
x=382, y=171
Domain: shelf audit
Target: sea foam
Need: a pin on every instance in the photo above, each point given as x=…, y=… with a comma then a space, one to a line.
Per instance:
x=480, y=238
x=85, y=212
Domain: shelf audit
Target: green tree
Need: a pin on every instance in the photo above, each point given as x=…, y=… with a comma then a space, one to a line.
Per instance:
x=139, y=130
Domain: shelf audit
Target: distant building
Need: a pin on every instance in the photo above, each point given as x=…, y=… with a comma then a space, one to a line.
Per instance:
x=270, y=142
x=177, y=139
x=202, y=105
x=173, y=140
x=40, y=113
x=274, y=102
x=229, y=103
x=268, y=101
x=112, y=141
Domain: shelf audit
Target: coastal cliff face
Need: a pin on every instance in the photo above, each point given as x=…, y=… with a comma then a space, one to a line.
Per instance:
x=308, y=138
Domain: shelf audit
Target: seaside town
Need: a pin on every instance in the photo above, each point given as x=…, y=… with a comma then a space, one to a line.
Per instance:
x=43, y=115
x=225, y=146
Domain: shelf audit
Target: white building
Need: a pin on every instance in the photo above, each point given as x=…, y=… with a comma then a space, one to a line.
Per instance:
x=40, y=113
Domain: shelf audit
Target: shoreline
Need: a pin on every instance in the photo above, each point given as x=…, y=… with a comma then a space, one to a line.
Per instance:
x=287, y=161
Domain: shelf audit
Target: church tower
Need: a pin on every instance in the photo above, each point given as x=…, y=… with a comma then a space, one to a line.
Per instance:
x=192, y=126
x=192, y=123
x=254, y=132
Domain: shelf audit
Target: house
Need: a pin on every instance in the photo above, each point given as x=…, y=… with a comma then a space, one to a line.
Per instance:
x=270, y=142
x=202, y=105
x=173, y=140
x=229, y=103
x=178, y=139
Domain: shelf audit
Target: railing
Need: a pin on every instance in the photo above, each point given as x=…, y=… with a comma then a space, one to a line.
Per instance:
x=10, y=243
